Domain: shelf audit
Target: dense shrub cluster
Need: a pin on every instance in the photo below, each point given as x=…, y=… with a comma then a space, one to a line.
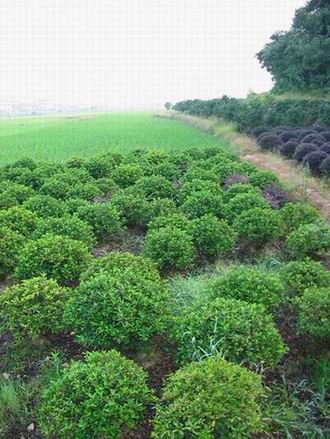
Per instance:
x=152, y=213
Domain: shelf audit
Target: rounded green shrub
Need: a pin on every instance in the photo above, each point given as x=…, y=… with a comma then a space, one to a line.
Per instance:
x=243, y=202
x=159, y=207
x=262, y=179
x=7, y=200
x=86, y=191
x=294, y=215
x=238, y=189
x=17, y=191
x=243, y=332
x=103, y=396
x=251, y=284
x=11, y=244
x=33, y=308
x=309, y=239
x=72, y=205
x=56, y=187
x=19, y=219
x=174, y=220
x=103, y=218
x=213, y=237
x=45, y=206
x=210, y=399
x=192, y=186
x=201, y=203
x=120, y=307
x=102, y=165
x=314, y=312
x=131, y=205
x=170, y=247
x=155, y=186
x=198, y=172
x=258, y=225
x=299, y=275
x=68, y=225
x=106, y=186
x=58, y=257
x=127, y=174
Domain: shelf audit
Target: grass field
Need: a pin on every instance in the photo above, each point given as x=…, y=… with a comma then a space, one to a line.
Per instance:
x=85, y=136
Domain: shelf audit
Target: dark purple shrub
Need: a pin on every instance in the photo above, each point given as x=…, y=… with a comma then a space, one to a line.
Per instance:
x=288, y=135
x=259, y=130
x=305, y=132
x=280, y=129
x=326, y=135
x=303, y=149
x=270, y=142
x=314, y=138
x=276, y=196
x=325, y=147
x=313, y=161
x=289, y=148
x=325, y=167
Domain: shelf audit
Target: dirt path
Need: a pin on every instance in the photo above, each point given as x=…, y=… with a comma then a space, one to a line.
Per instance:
x=296, y=179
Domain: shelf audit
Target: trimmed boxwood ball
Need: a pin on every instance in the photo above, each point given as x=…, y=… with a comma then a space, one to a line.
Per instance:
x=154, y=187
x=17, y=191
x=210, y=399
x=19, y=219
x=103, y=218
x=300, y=275
x=241, y=331
x=258, y=225
x=243, y=202
x=126, y=174
x=289, y=148
x=170, y=247
x=102, y=165
x=250, y=284
x=159, y=207
x=120, y=307
x=87, y=191
x=294, y=215
x=202, y=203
x=317, y=139
x=200, y=173
x=11, y=244
x=325, y=147
x=259, y=130
x=104, y=395
x=212, y=237
x=314, y=312
x=302, y=150
x=58, y=257
x=313, y=161
x=270, y=142
x=326, y=135
x=309, y=239
x=33, y=308
x=131, y=205
x=261, y=179
x=239, y=188
x=325, y=167
x=106, y=186
x=177, y=220
x=68, y=225
x=45, y=206
x=56, y=187
x=193, y=186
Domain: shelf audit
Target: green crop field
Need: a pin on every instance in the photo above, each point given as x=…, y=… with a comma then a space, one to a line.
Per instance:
x=87, y=135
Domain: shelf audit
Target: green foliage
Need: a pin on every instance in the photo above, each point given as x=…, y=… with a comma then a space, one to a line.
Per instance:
x=131, y=205
x=258, y=225
x=45, y=206
x=19, y=220
x=103, y=396
x=309, y=239
x=170, y=247
x=154, y=187
x=16, y=191
x=243, y=202
x=123, y=303
x=11, y=244
x=294, y=215
x=299, y=58
x=103, y=218
x=175, y=220
x=58, y=257
x=68, y=225
x=101, y=166
x=201, y=203
x=106, y=186
x=251, y=284
x=159, y=207
x=210, y=399
x=212, y=237
x=196, y=186
x=238, y=189
x=261, y=179
x=314, y=312
x=33, y=308
x=299, y=275
x=243, y=332
x=126, y=174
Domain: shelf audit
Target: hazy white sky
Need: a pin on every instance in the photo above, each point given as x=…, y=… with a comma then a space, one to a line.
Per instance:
x=135, y=53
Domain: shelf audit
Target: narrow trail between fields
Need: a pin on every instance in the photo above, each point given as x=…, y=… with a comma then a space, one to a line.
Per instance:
x=296, y=179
